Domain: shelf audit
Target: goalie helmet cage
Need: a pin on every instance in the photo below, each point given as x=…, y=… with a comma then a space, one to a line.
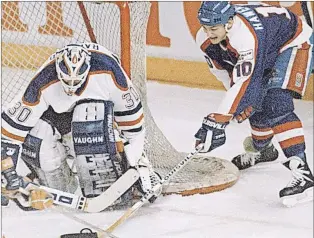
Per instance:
x=32, y=31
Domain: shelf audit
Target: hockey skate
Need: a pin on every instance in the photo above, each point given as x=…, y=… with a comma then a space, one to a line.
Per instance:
x=300, y=188
x=252, y=157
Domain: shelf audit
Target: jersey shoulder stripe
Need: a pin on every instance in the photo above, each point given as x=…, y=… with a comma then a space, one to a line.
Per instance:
x=101, y=62
x=44, y=78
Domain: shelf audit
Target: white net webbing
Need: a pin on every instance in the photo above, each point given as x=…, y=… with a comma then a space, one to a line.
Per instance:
x=32, y=31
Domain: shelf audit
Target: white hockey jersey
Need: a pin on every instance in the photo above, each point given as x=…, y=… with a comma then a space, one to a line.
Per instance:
x=106, y=81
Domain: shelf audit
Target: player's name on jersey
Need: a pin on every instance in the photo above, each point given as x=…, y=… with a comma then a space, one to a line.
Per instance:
x=251, y=16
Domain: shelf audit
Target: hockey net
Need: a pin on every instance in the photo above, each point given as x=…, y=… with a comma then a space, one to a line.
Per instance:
x=32, y=31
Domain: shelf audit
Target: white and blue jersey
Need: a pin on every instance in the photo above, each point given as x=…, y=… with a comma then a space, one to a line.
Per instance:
x=106, y=81
x=262, y=39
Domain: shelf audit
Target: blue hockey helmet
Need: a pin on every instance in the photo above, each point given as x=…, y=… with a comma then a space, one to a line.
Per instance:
x=213, y=13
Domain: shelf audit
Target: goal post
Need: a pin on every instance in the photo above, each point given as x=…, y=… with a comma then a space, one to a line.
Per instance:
x=32, y=31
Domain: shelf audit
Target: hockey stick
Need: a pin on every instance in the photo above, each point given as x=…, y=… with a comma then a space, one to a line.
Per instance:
x=147, y=196
x=96, y=204
x=62, y=210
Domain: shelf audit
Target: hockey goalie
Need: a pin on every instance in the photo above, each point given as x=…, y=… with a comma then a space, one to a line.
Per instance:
x=78, y=126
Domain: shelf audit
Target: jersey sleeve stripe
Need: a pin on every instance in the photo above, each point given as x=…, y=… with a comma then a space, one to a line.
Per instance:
x=13, y=124
x=239, y=96
x=131, y=123
x=11, y=136
x=220, y=117
x=129, y=112
x=134, y=130
x=298, y=75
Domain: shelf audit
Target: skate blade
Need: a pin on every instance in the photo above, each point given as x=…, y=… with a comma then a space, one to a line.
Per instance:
x=291, y=201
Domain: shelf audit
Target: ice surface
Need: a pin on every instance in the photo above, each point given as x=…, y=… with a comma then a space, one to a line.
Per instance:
x=249, y=209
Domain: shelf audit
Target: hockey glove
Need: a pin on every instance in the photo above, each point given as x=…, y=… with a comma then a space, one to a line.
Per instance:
x=212, y=133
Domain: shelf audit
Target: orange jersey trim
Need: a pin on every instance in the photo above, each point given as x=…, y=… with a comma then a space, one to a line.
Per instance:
x=105, y=72
x=246, y=83
x=205, y=44
x=298, y=72
x=220, y=117
x=12, y=136
x=41, y=89
x=39, y=94
x=130, y=123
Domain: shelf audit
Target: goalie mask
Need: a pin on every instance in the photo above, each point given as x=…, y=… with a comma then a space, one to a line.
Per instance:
x=72, y=66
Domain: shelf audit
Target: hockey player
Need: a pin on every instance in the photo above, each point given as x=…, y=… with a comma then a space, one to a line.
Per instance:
x=82, y=105
x=262, y=54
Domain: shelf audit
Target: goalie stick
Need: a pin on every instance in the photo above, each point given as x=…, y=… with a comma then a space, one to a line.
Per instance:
x=96, y=204
x=149, y=195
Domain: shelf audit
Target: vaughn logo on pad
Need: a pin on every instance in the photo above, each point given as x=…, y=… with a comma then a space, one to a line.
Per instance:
x=88, y=140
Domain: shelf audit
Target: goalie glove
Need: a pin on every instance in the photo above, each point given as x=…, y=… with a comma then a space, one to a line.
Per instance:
x=137, y=159
x=212, y=133
x=39, y=199
x=28, y=196
x=149, y=179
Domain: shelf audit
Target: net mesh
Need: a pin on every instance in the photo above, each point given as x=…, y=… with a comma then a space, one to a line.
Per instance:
x=32, y=31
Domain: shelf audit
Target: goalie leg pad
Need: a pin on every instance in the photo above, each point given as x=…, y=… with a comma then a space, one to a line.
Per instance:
x=92, y=128
x=98, y=164
x=46, y=155
x=41, y=147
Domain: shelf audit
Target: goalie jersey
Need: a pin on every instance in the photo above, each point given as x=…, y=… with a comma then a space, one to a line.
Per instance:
x=242, y=61
x=106, y=81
